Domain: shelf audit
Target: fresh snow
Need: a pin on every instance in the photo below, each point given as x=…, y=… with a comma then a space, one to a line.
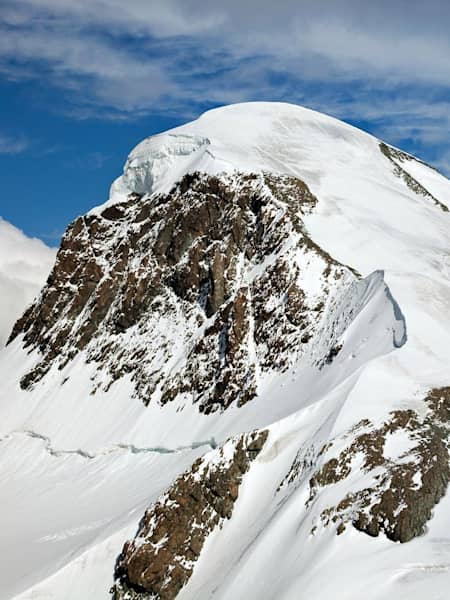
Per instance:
x=67, y=513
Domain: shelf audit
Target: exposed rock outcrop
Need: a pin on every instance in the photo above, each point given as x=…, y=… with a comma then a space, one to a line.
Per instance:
x=159, y=561
x=405, y=487
x=398, y=159
x=212, y=272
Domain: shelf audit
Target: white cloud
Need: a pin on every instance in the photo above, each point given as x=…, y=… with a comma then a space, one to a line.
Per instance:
x=87, y=66
x=82, y=43
x=389, y=39
x=24, y=266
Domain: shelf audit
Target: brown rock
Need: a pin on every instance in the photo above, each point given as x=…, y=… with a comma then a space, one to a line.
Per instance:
x=161, y=558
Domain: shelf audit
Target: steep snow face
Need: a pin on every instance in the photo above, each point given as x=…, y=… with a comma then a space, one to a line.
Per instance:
x=24, y=266
x=193, y=285
x=162, y=158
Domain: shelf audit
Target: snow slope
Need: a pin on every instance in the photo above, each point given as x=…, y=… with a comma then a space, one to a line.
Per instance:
x=77, y=470
x=24, y=266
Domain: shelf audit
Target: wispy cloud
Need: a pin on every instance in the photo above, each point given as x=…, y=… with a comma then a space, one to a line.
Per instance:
x=85, y=65
x=11, y=145
x=52, y=236
x=90, y=161
x=443, y=162
x=128, y=56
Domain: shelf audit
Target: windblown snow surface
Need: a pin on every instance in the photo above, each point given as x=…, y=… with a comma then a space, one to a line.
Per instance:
x=24, y=266
x=77, y=470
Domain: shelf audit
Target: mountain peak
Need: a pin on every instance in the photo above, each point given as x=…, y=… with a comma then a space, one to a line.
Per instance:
x=254, y=137
x=247, y=346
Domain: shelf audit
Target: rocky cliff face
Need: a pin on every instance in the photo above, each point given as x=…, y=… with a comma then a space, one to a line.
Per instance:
x=158, y=562
x=190, y=293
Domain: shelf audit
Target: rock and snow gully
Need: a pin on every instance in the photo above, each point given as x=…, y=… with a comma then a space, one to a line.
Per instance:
x=235, y=382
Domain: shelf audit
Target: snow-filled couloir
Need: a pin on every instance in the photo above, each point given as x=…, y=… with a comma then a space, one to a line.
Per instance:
x=265, y=275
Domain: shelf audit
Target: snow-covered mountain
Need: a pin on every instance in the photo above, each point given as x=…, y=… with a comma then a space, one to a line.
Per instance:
x=24, y=266
x=235, y=382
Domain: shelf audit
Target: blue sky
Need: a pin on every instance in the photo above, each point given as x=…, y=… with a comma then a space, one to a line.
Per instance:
x=82, y=82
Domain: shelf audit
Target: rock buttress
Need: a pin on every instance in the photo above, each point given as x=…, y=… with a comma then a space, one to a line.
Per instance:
x=190, y=294
x=159, y=561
